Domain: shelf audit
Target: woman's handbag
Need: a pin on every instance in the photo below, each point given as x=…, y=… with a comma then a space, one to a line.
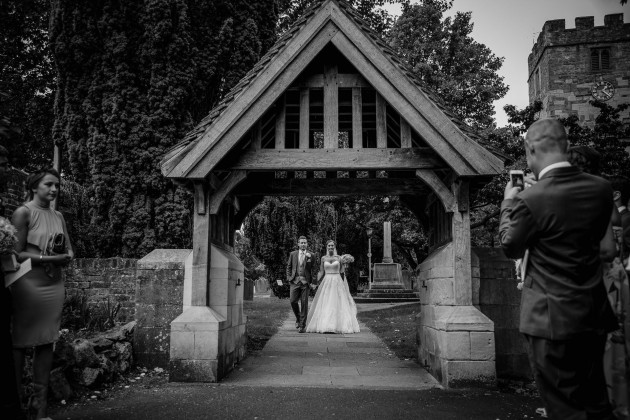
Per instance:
x=56, y=244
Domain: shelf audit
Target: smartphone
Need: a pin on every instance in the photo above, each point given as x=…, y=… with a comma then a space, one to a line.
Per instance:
x=518, y=179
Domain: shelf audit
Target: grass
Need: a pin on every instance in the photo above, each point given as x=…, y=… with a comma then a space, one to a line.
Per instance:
x=396, y=326
x=264, y=317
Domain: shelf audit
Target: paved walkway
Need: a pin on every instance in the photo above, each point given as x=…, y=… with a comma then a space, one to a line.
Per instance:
x=291, y=359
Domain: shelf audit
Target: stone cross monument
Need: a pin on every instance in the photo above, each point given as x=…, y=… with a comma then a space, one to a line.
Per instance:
x=388, y=274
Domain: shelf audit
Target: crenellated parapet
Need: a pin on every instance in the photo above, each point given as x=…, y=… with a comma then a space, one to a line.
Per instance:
x=554, y=33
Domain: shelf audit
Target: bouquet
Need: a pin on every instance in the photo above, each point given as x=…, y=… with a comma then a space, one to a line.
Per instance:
x=346, y=259
x=7, y=236
x=7, y=244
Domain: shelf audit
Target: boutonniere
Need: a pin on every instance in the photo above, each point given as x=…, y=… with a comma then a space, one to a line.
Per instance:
x=308, y=256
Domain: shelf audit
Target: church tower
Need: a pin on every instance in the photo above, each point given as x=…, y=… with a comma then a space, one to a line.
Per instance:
x=570, y=67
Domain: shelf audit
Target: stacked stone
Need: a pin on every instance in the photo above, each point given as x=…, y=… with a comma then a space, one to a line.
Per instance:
x=88, y=363
x=103, y=279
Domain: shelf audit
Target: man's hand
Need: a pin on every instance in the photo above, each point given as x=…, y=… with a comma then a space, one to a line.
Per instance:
x=530, y=180
x=510, y=191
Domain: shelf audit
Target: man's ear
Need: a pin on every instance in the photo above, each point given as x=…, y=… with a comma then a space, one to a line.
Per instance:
x=616, y=195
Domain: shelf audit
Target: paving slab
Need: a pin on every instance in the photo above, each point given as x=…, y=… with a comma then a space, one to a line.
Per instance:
x=361, y=361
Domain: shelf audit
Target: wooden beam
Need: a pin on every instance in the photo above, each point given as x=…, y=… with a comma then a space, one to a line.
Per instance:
x=334, y=159
x=201, y=245
x=331, y=107
x=405, y=133
x=260, y=186
x=462, y=270
x=437, y=186
x=344, y=80
x=381, y=122
x=247, y=204
x=256, y=99
x=256, y=136
x=201, y=197
x=281, y=122
x=357, y=119
x=235, y=178
x=305, y=106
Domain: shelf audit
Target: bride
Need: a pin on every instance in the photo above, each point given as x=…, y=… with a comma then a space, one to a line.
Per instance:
x=333, y=308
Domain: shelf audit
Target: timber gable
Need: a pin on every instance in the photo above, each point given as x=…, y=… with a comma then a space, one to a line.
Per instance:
x=440, y=140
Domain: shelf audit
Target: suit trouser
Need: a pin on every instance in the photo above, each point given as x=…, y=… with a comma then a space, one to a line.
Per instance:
x=570, y=376
x=299, y=293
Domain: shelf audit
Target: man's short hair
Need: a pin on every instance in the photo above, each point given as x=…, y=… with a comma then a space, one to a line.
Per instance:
x=4, y=152
x=302, y=237
x=548, y=135
x=621, y=184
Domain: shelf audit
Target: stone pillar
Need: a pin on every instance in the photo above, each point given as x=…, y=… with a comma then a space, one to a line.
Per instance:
x=387, y=243
x=159, y=286
x=455, y=340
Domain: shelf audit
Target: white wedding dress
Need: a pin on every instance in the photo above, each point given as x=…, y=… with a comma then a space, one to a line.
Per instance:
x=333, y=309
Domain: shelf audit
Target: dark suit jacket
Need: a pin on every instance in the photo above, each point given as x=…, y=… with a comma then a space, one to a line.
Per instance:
x=561, y=220
x=625, y=237
x=294, y=261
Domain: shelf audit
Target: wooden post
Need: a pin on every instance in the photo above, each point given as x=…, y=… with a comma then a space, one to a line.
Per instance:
x=331, y=107
x=462, y=271
x=357, y=119
x=305, y=105
x=405, y=134
x=201, y=245
x=281, y=118
x=256, y=136
x=381, y=122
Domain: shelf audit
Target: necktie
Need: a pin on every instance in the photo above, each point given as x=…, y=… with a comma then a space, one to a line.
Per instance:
x=301, y=257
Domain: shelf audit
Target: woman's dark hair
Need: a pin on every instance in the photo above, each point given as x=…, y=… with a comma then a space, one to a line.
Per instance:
x=35, y=178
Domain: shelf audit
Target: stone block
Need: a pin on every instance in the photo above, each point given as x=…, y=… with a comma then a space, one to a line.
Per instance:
x=164, y=259
x=469, y=373
x=460, y=318
x=199, y=318
x=219, y=291
x=440, y=291
x=156, y=315
x=206, y=345
x=482, y=345
x=193, y=371
x=183, y=345
x=453, y=345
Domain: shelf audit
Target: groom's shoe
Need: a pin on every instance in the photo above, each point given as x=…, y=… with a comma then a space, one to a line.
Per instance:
x=302, y=330
x=297, y=325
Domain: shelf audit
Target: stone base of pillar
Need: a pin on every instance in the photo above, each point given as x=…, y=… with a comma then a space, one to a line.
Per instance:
x=387, y=276
x=456, y=344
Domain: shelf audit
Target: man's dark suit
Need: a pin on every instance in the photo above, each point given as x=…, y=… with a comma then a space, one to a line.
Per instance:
x=300, y=284
x=625, y=236
x=565, y=312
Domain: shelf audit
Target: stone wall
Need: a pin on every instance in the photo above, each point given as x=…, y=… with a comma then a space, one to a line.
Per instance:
x=499, y=299
x=100, y=279
x=560, y=69
x=12, y=193
x=159, y=289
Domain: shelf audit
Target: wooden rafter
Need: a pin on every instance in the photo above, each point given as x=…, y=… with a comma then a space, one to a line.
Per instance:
x=235, y=178
x=437, y=186
x=335, y=159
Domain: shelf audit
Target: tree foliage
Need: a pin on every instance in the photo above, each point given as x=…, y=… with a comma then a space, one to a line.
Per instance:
x=442, y=53
x=26, y=83
x=132, y=78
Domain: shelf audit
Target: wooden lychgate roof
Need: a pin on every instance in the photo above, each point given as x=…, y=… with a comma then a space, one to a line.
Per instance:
x=326, y=24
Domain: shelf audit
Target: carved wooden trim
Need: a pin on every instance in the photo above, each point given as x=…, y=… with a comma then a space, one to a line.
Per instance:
x=437, y=186
x=201, y=196
x=226, y=187
x=331, y=107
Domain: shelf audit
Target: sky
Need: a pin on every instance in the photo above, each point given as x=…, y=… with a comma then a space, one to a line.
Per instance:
x=510, y=29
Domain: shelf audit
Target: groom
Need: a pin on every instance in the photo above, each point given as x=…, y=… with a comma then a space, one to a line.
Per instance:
x=299, y=276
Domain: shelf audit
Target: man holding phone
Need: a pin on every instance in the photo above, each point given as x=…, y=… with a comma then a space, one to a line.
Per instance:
x=565, y=313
